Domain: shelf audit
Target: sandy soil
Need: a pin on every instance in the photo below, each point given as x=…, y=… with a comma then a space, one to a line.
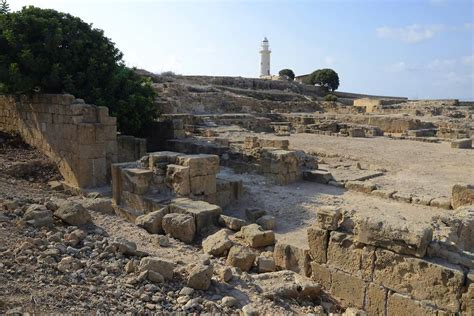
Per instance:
x=412, y=167
x=295, y=206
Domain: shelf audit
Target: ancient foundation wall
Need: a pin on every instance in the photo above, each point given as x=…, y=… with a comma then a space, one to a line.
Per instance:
x=80, y=138
x=388, y=271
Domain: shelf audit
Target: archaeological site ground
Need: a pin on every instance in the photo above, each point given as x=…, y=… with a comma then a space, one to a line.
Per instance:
x=247, y=196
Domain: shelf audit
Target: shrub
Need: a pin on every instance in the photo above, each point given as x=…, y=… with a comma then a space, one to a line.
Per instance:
x=287, y=74
x=330, y=97
x=46, y=51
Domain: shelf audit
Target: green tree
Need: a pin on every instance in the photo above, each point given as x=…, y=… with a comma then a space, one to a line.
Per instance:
x=47, y=51
x=287, y=74
x=326, y=78
x=4, y=7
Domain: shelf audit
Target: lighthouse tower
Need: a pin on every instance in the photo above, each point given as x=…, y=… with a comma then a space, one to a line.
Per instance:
x=265, y=59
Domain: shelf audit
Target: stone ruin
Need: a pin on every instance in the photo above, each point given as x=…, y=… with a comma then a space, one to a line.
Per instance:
x=365, y=262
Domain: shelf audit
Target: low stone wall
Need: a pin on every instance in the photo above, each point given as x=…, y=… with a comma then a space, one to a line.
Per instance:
x=81, y=139
x=387, y=270
x=130, y=148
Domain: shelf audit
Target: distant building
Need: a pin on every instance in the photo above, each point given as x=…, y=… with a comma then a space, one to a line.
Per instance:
x=302, y=78
x=265, y=59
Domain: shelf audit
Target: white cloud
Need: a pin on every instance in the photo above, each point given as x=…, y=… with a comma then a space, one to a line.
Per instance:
x=441, y=64
x=410, y=34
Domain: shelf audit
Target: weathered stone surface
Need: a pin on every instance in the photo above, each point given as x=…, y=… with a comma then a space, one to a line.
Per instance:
x=401, y=239
x=441, y=202
x=361, y=186
x=267, y=222
x=318, y=243
x=72, y=213
x=349, y=289
x=253, y=214
x=355, y=259
x=136, y=180
x=398, y=304
x=462, y=195
x=321, y=274
x=328, y=217
x=288, y=285
x=205, y=214
x=241, y=257
x=375, y=299
x=402, y=197
x=383, y=193
x=232, y=222
x=177, y=178
x=292, y=257
x=203, y=185
x=217, y=244
x=464, y=143
x=38, y=215
x=69, y=264
x=421, y=279
x=200, y=165
x=163, y=267
x=266, y=263
x=200, y=276
x=124, y=246
x=180, y=226
x=155, y=277
x=319, y=176
x=100, y=205
x=467, y=300
x=152, y=222
x=256, y=237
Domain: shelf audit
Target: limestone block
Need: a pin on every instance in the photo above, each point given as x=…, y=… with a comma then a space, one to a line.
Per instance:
x=136, y=180
x=318, y=243
x=462, y=194
x=203, y=185
x=217, y=244
x=402, y=197
x=232, y=223
x=265, y=263
x=251, y=142
x=441, y=202
x=355, y=259
x=200, y=165
x=152, y=222
x=167, y=157
x=200, y=276
x=205, y=214
x=241, y=257
x=464, y=143
x=292, y=257
x=163, y=267
x=328, y=217
x=321, y=274
x=398, y=304
x=375, y=299
x=467, y=300
x=177, y=178
x=319, y=176
x=361, y=186
x=356, y=132
x=179, y=226
x=401, y=239
x=421, y=279
x=383, y=193
x=349, y=289
x=256, y=237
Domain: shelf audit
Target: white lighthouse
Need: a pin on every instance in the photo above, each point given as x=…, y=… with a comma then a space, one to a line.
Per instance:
x=265, y=59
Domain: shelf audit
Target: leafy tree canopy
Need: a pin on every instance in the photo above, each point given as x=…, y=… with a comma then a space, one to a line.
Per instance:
x=326, y=78
x=47, y=51
x=287, y=74
x=4, y=7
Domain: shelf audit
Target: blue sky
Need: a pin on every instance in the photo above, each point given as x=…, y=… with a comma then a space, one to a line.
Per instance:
x=418, y=49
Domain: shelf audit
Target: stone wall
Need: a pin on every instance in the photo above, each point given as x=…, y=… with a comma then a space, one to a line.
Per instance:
x=389, y=270
x=80, y=138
